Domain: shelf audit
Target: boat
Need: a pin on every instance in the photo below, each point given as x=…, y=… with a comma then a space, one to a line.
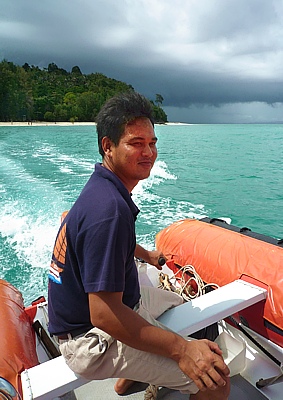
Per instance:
x=222, y=253
x=233, y=278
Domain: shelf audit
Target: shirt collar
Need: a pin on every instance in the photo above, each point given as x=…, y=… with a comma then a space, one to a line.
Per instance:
x=107, y=174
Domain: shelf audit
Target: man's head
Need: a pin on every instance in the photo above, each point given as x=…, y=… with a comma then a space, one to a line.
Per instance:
x=126, y=138
x=118, y=112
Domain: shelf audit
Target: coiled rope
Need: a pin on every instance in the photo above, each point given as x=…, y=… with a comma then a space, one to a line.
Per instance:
x=151, y=392
x=189, y=285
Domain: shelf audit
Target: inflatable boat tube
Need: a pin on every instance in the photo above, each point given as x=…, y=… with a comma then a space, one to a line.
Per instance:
x=222, y=255
x=17, y=343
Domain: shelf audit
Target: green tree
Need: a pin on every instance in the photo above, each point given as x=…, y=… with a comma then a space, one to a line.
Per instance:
x=159, y=114
x=52, y=67
x=158, y=99
x=88, y=106
x=52, y=93
x=76, y=70
x=49, y=116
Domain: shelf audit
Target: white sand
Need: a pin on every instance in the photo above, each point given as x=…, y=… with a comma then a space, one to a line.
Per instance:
x=44, y=123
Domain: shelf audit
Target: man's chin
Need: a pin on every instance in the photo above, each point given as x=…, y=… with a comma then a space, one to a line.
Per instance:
x=144, y=175
x=145, y=170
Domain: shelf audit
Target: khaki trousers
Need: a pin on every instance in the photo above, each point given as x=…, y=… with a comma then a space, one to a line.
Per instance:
x=97, y=355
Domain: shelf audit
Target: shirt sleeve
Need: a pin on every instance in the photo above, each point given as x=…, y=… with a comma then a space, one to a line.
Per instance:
x=103, y=254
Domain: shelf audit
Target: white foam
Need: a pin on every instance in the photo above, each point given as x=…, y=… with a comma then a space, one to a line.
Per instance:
x=159, y=173
x=31, y=238
x=65, y=162
x=159, y=212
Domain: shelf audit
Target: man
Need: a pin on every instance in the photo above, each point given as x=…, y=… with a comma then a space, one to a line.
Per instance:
x=104, y=326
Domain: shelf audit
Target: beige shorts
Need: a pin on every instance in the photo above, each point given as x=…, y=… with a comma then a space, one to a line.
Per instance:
x=97, y=355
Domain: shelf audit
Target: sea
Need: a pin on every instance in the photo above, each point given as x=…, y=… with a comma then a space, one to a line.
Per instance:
x=217, y=171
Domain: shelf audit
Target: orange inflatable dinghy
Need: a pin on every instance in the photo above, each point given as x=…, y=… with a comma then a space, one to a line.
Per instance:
x=17, y=344
x=221, y=256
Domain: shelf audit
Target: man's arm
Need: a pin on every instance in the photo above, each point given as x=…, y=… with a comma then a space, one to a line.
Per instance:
x=200, y=360
x=150, y=256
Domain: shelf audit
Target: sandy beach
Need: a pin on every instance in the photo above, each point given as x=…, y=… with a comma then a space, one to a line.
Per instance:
x=45, y=123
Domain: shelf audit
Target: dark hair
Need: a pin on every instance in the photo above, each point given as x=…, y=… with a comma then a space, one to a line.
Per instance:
x=117, y=112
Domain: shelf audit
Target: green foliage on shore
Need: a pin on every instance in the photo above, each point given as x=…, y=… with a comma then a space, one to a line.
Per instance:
x=29, y=93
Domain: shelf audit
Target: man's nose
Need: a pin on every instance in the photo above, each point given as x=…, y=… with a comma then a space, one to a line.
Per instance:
x=147, y=150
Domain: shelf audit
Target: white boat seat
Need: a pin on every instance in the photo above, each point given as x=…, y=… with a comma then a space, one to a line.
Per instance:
x=49, y=380
x=54, y=378
x=212, y=307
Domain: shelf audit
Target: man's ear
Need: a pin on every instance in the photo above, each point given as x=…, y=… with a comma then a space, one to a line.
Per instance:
x=106, y=145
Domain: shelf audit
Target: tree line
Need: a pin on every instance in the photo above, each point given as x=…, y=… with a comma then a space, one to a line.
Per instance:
x=30, y=93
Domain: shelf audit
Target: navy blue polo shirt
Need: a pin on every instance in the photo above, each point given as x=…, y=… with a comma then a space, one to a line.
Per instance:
x=93, y=252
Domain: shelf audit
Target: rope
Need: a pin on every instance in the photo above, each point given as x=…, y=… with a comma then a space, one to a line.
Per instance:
x=151, y=392
x=187, y=288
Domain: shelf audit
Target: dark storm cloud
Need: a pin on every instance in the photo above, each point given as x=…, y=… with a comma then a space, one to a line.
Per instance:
x=206, y=52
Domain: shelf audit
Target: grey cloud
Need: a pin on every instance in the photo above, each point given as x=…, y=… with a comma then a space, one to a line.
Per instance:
x=205, y=53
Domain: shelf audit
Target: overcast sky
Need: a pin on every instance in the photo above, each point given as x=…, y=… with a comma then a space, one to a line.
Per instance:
x=213, y=61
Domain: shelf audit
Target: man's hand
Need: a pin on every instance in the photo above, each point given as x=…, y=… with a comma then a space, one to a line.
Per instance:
x=156, y=258
x=153, y=257
x=202, y=361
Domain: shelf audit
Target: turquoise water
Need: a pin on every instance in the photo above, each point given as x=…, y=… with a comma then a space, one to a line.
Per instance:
x=230, y=171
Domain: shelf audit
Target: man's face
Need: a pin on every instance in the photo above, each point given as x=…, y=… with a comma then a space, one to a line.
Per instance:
x=135, y=154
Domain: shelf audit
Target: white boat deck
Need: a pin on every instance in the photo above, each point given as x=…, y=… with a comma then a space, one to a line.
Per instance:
x=103, y=390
